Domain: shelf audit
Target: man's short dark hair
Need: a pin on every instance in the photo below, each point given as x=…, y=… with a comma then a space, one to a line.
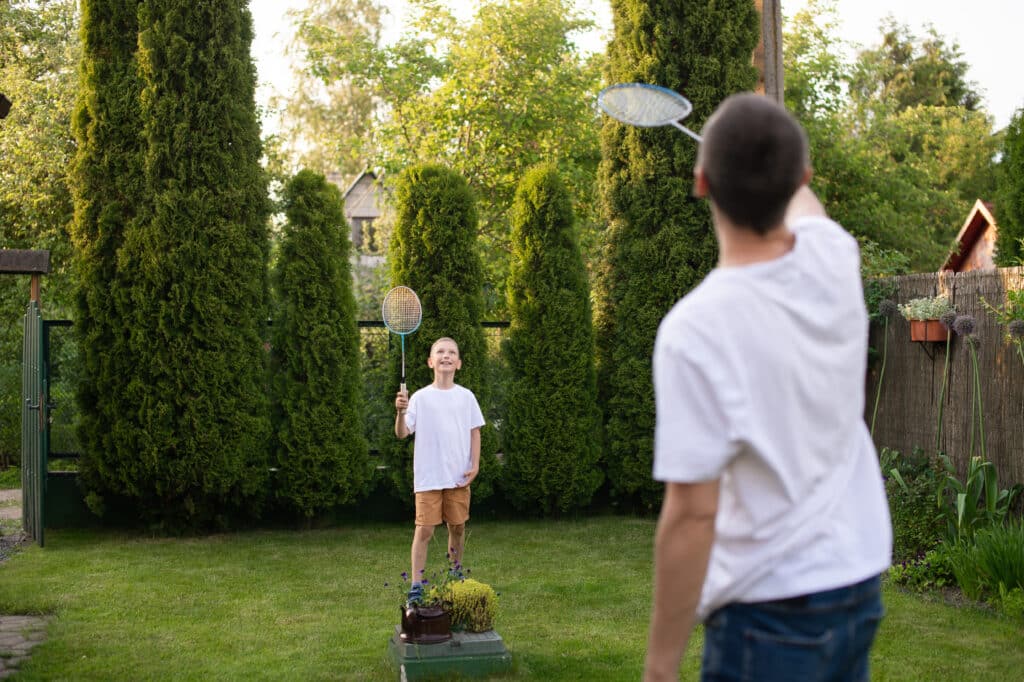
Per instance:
x=753, y=156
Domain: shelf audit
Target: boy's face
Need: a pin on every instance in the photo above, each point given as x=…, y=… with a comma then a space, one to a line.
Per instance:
x=444, y=357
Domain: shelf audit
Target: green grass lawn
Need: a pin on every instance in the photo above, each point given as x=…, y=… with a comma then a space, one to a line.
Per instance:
x=309, y=605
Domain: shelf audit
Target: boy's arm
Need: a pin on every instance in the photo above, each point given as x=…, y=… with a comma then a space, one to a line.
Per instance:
x=686, y=531
x=474, y=454
x=401, y=404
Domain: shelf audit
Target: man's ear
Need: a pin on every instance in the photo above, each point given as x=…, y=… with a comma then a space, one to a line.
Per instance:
x=700, y=183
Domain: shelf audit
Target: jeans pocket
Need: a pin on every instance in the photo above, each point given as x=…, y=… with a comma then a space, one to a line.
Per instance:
x=773, y=656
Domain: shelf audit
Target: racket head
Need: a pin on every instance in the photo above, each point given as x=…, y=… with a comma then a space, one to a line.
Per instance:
x=643, y=104
x=401, y=310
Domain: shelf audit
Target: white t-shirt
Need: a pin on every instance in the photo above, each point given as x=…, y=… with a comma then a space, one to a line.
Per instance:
x=442, y=420
x=759, y=382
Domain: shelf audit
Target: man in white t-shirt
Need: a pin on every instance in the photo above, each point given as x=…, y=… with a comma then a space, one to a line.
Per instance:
x=446, y=419
x=774, y=528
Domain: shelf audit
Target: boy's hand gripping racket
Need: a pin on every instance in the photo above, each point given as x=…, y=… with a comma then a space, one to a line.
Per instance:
x=646, y=106
x=402, y=314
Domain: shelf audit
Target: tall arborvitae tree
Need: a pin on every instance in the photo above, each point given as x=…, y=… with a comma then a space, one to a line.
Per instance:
x=551, y=437
x=107, y=183
x=1010, y=195
x=433, y=251
x=198, y=424
x=659, y=238
x=320, y=449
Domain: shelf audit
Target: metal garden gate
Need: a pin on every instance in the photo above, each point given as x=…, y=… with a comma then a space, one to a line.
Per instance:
x=33, y=425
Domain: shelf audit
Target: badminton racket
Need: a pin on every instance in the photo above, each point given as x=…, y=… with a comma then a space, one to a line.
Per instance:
x=646, y=106
x=402, y=315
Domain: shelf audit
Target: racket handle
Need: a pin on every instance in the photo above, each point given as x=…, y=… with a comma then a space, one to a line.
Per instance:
x=401, y=388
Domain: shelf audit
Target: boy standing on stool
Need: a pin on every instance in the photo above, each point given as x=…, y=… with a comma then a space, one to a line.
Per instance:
x=775, y=525
x=446, y=419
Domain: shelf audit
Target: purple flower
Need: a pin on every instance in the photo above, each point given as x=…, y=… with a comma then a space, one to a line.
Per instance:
x=887, y=308
x=948, y=318
x=963, y=325
x=405, y=576
x=1016, y=328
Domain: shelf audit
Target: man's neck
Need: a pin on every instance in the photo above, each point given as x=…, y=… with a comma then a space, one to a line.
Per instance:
x=740, y=246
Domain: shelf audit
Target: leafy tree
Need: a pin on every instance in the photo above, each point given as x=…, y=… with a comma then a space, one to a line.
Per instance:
x=893, y=166
x=196, y=440
x=326, y=118
x=108, y=189
x=905, y=71
x=1010, y=197
x=552, y=437
x=320, y=451
x=38, y=54
x=659, y=238
x=433, y=251
x=488, y=98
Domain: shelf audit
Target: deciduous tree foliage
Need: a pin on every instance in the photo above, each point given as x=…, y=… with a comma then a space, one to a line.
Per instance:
x=198, y=431
x=38, y=56
x=659, y=238
x=108, y=186
x=551, y=439
x=1010, y=197
x=320, y=450
x=433, y=251
x=487, y=98
x=900, y=151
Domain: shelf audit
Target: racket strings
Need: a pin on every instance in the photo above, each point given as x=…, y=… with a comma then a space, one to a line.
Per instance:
x=643, y=106
x=401, y=310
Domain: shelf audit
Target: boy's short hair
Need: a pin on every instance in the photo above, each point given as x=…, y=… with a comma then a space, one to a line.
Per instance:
x=754, y=156
x=445, y=338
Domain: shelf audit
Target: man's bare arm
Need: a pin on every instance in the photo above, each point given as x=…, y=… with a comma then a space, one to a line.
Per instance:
x=686, y=531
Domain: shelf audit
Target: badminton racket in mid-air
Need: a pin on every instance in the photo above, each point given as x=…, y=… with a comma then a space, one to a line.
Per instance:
x=402, y=315
x=647, y=106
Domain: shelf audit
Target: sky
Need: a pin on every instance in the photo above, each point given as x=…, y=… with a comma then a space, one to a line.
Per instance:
x=987, y=31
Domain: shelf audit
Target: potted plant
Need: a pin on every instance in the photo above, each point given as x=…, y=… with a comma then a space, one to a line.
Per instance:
x=450, y=601
x=924, y=316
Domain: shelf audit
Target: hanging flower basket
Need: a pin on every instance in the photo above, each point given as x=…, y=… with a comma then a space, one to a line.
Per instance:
x=928, y=330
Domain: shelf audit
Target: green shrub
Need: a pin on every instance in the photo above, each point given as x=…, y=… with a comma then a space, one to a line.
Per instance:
x=551, y=455
x=932, y=571
x=10, y=478
x=910, y=485
x=474, y=605
x=659, y=240
x=974, y=503
x=320, y=448
x=990, y=565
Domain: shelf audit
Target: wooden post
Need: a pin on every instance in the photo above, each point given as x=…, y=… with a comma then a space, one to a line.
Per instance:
x=768, y=55
x=26, y=262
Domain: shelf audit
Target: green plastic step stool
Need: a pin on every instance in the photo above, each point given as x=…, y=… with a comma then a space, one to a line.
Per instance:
x=466, y=654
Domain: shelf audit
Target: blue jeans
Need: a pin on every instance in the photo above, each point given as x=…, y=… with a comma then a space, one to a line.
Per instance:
x=817, y=637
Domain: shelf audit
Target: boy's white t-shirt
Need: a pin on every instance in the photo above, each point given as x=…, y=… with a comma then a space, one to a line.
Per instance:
x=442, y=420
x=759, y=381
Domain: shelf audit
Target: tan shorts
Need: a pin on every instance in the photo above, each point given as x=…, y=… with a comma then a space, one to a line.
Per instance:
x=450, y=505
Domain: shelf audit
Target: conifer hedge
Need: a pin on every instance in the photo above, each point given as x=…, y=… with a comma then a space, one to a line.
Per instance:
x=107, y=185
x=433, y=250
x=659, y=240
x=193, y=441
x=1010, y=195
x=551, y=438
x=320, y=450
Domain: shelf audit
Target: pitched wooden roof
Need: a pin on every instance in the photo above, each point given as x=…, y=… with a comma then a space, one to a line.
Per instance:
x=974, y=241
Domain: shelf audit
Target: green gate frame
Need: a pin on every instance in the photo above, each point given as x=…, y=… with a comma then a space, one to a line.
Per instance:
x=33, y=426
x=34, y=410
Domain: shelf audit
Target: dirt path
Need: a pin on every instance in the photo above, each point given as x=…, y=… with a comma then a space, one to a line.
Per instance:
x=10, y=504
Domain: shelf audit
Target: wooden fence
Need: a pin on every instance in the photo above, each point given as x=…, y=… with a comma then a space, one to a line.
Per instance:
x=908, y=410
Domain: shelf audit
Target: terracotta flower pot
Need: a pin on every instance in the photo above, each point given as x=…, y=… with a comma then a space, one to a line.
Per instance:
x=425, y=624
x=928, y=330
